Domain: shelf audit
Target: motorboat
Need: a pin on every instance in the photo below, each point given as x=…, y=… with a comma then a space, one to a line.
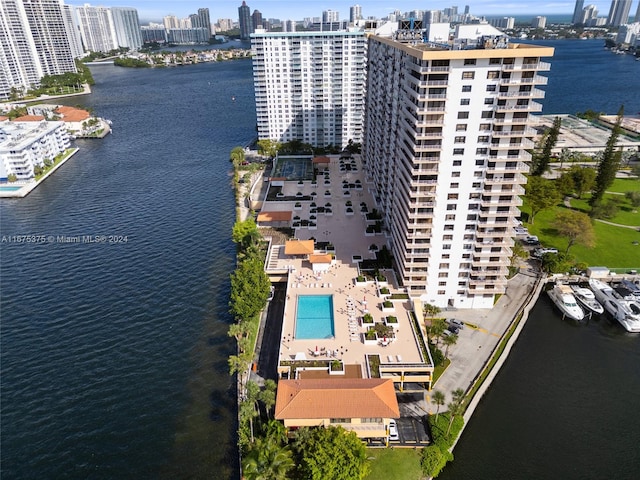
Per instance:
x=625, y=311
x=562, y=296
x=587, y=299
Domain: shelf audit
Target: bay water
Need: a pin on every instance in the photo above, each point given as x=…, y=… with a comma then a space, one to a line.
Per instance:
x=113, y=355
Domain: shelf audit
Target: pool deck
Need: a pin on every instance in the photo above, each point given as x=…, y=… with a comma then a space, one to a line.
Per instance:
x=347, y=234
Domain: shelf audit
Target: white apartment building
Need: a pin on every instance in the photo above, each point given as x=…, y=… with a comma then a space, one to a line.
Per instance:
x=96, y=28
x=127, y=27
x=33, y=42
x=309, y=86
x=445, y=138
x=73, y=30
x=23, y=145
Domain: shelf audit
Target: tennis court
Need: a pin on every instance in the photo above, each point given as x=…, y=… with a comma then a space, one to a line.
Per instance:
x=294, y=168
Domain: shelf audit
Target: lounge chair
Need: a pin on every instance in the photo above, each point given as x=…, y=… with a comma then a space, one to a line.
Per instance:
x=399, y=358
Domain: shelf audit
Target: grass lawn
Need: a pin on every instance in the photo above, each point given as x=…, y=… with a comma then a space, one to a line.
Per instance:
x=394, y=464
x=614, y=245
x=627, y=214
x=624, y=185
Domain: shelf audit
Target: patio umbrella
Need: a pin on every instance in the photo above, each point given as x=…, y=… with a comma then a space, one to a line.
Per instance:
x=364, y=300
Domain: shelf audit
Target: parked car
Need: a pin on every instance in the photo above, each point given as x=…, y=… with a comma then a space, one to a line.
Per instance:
x=457, y=323
x=540, y=252
x=393, y=430
x=521, y=231
x=531, y=240
x=453, y=329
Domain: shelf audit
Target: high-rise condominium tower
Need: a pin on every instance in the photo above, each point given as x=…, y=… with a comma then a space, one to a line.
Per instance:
x=309, y=86
x=127, y=27
x=34, y=41
x=355, y=13
x=619, y=13
x=96, y=28
x=205, y=20
x=446, y=133
x=577, y=12
x=246, y=23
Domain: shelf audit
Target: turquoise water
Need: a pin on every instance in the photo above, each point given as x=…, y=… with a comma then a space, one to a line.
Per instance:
x=4, y=188
x=314, y=318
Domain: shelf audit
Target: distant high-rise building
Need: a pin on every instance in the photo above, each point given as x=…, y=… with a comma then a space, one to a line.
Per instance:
x=171, y=21
x=445, y=145
x=539, y=22
x=330, y=16
x=256, y=20
x=619, y=13
x=205, y=20
x=289, y=26
x=589, y=15
x=466, y=9
x=96, y=28
x=244, y=17
x=34, y=41
x=504, y=23
x=225, y=24
x=313, y=91
x=432, y=16
x=577, y=12
x=73, y=30
x=127, y=27
x=355, y=13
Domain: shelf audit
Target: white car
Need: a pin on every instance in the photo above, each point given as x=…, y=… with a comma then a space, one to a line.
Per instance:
x=393, y=430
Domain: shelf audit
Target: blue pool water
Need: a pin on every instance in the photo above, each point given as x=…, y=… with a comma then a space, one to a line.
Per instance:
x=4, y=188
x=314, y=318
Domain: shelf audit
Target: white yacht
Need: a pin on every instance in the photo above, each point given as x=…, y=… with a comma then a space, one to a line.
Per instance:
x=587, y=299
x=626, y=312
x=562, y=296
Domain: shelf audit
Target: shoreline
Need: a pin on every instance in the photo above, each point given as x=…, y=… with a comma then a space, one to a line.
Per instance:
x=27, y=188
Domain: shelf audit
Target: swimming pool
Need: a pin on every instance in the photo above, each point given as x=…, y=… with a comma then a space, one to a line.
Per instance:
x=314, y=317
x=4, y=188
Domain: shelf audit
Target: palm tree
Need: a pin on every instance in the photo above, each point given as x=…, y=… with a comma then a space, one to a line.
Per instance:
x=448, y=341
x=455, y=406
x=267, y=460
x=438, y=400
x=436, y=329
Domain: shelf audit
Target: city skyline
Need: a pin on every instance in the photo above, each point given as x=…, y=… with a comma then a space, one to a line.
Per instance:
x=155, y=10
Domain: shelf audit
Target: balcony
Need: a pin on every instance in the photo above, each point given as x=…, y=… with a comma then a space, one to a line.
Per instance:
x=538, y=80
x=526, y=156
x=500, y=180
x=535, y=93
x=531, y=107
x=541, y=66
x=529, y=132
x=525, y=143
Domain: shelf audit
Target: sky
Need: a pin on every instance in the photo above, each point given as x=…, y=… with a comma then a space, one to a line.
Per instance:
x=154, y=10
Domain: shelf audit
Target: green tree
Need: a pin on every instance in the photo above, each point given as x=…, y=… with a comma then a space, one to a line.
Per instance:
x=12, y=178
x=268, y=395
x=610, y=163
x=517, y=252
x=237, y=156
x=431, y=310
x=634, y=198
x=456, y=406
x=245, y=233
x=432, y=461
x=583, y=179
x=541, y=194
x=436, y=329
x=565, y=185
x=448, y=341
x=250, y=288
x=438, y=399
x=606, y=209
x=576, y=227
x=267, y=460
x=268, y=147
x=323, y=453
x=549, y=140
